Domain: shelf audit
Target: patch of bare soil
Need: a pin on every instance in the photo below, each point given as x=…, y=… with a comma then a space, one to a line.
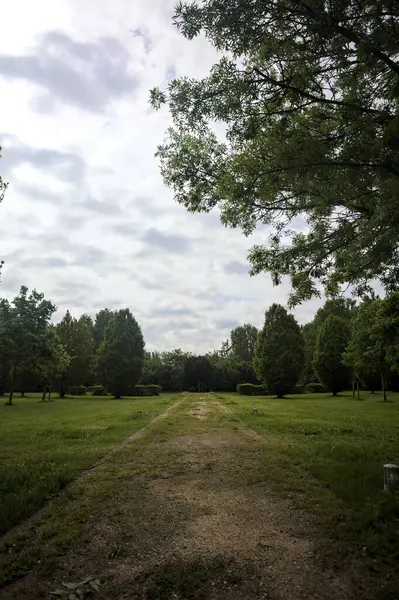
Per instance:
x=201, y=411
x=196, y=530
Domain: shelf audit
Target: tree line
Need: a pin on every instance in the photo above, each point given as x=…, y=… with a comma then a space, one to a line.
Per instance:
x=106, y=353
x=346, y=344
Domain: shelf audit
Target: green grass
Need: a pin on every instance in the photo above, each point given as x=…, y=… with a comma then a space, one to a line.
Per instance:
x=331, y=451
x=44, y=446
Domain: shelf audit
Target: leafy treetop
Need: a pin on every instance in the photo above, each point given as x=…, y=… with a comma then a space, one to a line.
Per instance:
x=308, y=93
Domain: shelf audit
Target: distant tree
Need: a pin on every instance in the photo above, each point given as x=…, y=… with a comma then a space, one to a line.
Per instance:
x=309, y=333
x=243, y=339
x=366, y=351
x=76, y=335
x=55, y=360
x=121, y=353
x=23, y=333
x=102, y=320
x=279, y=351
x=332, y=341
x=198, y=374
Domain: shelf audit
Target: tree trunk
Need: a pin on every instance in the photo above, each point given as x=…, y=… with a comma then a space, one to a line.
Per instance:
x=22, y=393
x=383, y=385
x=353, y=387
x=44, y=393
x=12, y=382
x=49, y=393
x=358, y=390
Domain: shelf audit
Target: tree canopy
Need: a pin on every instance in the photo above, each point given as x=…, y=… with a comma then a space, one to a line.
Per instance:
x=332, y=341
x=279, y=351
x=307, y=93
x=121, y=353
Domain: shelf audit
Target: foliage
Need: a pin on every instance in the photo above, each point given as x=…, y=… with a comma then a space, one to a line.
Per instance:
x=102, y=320
x=79, y=390
x=55, y=361
x=340, y=307
x=121, y=353
x=316, y=387
x=249, y=389
x=24, y=333
x=77, y=337
x=309, y=334
x=198, y=374
x=307, y=93
x=242, y=344
x=332, y=340
x=144, y=390
x=99, y=390
x=279, y=351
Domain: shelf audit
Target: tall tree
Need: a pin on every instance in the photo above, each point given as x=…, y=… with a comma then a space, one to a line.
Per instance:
x=332, y=341
x=308, y=94
x=340, y=307
x=54, y=362
x=76, y=335
x=198, y=374
x=309, y=334
x=103, y=318
x=366, y=352
x=121, y=353
x=243, y=339
x=279, y=351
x=23, y=333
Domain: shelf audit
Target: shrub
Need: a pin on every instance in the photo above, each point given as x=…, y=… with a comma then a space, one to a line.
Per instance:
x=298, y=389
x=154, y=389
x=99, y=390
x=250, y=389
x=144, y=390
x=78, y=390
x=315, y=388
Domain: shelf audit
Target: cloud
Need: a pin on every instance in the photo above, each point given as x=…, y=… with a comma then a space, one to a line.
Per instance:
x=172, y=311
x=236, y=267
x=226, y=323
x=65, y=165
x=169, y=242
x=87, y=74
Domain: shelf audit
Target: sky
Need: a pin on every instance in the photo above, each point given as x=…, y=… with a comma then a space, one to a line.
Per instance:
x=87, y=219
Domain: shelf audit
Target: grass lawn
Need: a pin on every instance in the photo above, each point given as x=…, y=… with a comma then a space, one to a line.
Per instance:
x=331, y=451
x=44, y=446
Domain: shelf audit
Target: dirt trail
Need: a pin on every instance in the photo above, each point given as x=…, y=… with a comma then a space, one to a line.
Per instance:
x=189, y=515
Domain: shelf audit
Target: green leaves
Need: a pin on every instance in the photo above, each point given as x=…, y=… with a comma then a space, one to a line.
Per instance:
x=305, y=93
x=279, y=351
x=332, y=340
x=121, y=353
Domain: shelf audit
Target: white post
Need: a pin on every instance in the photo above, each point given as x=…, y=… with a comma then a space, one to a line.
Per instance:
x=391, y=478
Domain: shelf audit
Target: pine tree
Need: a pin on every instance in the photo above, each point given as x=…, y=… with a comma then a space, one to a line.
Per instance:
x=121, y=353
x=279, y=351
x=332, y=341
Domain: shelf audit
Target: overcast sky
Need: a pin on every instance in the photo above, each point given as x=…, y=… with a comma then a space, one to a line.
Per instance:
x=87, y=219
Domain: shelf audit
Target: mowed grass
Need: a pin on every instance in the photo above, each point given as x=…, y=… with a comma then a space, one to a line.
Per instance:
x=330, y=453
x=44, y=446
